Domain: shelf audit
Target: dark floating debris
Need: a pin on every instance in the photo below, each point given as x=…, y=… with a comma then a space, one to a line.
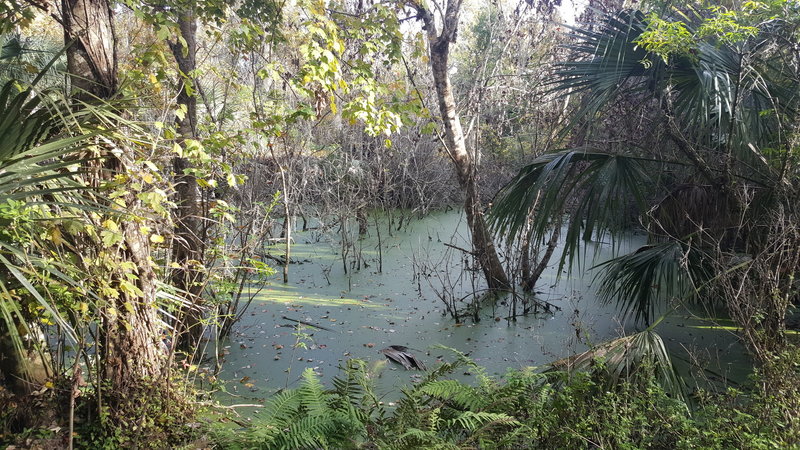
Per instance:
x=401, y=355
x=303, y=322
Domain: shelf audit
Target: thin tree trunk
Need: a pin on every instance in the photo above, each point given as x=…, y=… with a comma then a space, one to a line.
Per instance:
x=361, y=218
x=525, y=253
x=288, y=244
x=533, y=277
x=187, y=246
x=525, y=244
x=464, y=162
x=287, y=216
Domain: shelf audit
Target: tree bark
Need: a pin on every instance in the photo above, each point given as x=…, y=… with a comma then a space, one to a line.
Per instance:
x=130, y=330
x=463, y=160
x=188, y=240
x=532, y=277
x=92, y=57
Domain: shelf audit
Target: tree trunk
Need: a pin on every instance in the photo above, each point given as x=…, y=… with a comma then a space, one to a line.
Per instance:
x=531, y=278
x=464, y=162
x=361, y=218
x=130, y=330
x=525, y=251
x=92, y=58
x=188, y=240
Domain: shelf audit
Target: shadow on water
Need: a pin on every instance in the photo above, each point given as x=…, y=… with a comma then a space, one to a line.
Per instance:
x=358, y=313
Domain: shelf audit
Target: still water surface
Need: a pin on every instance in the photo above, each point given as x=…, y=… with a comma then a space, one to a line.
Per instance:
x=366, y=310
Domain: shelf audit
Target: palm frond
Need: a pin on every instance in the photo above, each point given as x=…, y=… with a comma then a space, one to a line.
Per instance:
x=22, y=122
x=627, y=358
x=36, y=170
x=595, y=188
x=10, y=316
x=728, y=106
x=726, y=98
x=647, y=278
x=605, y=62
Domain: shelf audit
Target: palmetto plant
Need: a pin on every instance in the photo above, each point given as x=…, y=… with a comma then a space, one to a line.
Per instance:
x=694, y=144
x=38, y=175
x=638, y=356
x=712, y=156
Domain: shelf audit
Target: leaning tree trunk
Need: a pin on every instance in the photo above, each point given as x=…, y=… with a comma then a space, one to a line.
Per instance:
x=129, y=334
x=187, y=245
x=464, y=162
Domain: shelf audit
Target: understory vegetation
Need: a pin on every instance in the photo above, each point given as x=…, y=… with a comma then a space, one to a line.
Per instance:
x=157, y=157
x=522, y=409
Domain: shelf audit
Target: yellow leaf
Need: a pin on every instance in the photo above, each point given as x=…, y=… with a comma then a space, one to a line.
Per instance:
x=110, y=225
x=156, y=238
x=55, y=236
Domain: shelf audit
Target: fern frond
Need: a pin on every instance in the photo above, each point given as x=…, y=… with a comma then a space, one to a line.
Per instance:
x=460, y=394
x=312, y=394
x=284, y=405
x=308, y=432
x=472, y=421
x=414, y=438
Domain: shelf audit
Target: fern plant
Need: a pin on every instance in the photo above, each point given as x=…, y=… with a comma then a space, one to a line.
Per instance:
x=312, y=417
x=444, y=413
x=435, y=413
x=525, y=408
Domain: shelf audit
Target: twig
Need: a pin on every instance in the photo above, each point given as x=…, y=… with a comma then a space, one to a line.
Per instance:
x=303, y=322
x=277, y=259
x=469, y=252
x=243, y=405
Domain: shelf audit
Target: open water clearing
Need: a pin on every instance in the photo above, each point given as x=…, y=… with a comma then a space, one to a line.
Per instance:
x=363, y=311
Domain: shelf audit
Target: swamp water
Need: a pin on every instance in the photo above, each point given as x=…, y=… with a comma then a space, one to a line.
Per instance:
x=363, y=311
